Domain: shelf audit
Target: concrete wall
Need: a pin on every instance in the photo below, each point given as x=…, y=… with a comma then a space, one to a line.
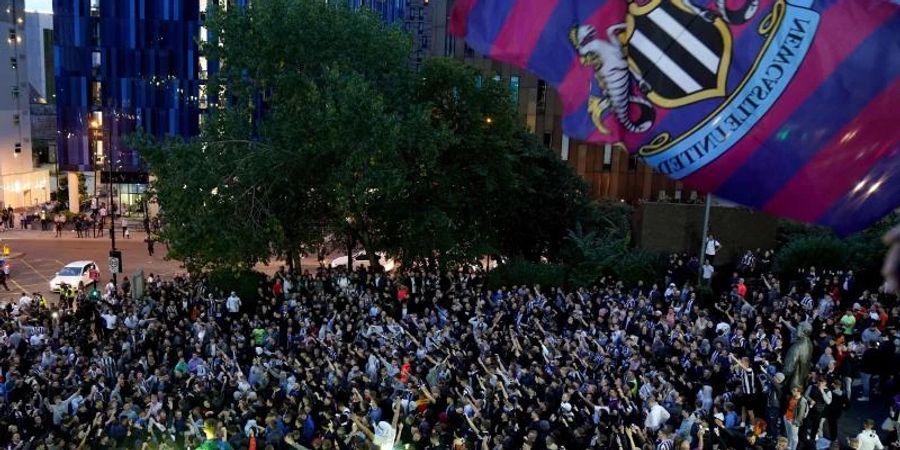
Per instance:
x=674, y=227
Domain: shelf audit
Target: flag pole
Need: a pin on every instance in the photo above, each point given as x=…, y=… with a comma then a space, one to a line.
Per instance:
x=703, y=238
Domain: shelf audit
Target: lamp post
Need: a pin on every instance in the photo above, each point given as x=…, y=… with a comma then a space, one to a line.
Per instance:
x=97, y=135
x=112, y=223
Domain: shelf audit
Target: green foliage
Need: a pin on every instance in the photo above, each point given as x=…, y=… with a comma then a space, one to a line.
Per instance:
x=808, y=245
x=520, y=272
x=244, y=283
x=322, y=130
x=824, y=252
x=545, y=199
x=638, y=265
x=605, y=248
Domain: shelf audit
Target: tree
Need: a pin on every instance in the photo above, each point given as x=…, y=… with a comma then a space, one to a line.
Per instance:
x=296, y=79
x=318, y=129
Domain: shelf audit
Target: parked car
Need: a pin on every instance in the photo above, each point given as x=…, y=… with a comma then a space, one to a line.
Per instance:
x=74, y=274
x=360, y=259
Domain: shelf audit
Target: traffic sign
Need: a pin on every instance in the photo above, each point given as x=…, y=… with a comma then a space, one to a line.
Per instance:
x=115, y=261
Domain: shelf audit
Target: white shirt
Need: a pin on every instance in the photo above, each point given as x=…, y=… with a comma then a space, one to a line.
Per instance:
x=24, y=301
x=111, y=320
x=868, y=440
x=233, y=303
x=712, y=246
x=36, y=340
x=708, y=270
x=656, y=417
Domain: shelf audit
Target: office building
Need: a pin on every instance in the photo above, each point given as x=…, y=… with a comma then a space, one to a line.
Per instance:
x=122, y=65
x=21, y=185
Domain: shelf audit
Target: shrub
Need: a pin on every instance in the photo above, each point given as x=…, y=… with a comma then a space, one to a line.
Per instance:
x=244, y=283
x=521, y=272
x=637, y=264
x=822, y=251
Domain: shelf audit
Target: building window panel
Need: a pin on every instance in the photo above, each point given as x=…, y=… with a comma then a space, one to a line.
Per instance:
x=514, y=88
x=96, y=93
x=541, y=95
x=607, y=158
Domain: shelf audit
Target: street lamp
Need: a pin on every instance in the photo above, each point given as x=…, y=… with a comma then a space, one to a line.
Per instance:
x=115, y=257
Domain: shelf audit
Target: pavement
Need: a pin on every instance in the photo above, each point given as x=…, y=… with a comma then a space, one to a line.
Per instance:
x=35, y=257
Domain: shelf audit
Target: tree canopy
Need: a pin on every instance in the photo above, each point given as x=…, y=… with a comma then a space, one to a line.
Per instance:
x=319, y=130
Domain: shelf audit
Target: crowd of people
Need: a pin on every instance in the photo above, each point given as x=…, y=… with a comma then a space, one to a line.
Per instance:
x=429, y=359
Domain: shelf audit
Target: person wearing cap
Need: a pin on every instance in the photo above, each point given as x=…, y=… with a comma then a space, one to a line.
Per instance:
x=774, y=390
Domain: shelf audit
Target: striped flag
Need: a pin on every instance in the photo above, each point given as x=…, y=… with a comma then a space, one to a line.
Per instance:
x=781, y=105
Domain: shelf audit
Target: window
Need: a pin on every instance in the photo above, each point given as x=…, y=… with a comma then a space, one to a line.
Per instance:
x=96, y=93
x=13, y=62
x=548, y=138
x=541, y=95
x=16, y=119
x=18, y=148
x=607, y=158
x=12, y=35
x=468, y=52
x=497, y=78
x=15, y=92
x=95, y=59
x=479, y=81
x=95, y=8
x=95, y=34
x=632, y=163
x=514, y=88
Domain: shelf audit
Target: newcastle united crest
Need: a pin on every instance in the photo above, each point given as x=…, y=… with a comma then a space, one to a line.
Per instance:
x=672, y=56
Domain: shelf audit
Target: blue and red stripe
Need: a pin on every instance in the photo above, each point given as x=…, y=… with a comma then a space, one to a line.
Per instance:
x=829, y=51
x=553, y=55
x=875, y=198
x=842, y=164
x=817, y=120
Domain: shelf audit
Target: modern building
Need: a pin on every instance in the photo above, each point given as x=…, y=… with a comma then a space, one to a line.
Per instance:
x=39, y=48
x=411, y=15
x=121, y=65
x=611, y=173
x=42, y=92
x=21, y=185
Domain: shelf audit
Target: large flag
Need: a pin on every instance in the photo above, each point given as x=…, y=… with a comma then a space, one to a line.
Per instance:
x=781, y=105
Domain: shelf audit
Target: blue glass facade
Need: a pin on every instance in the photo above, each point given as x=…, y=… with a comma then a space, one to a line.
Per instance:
x=391, y=11
x=120, y=65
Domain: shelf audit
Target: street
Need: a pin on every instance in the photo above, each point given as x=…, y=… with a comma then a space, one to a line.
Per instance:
x=36, y=256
